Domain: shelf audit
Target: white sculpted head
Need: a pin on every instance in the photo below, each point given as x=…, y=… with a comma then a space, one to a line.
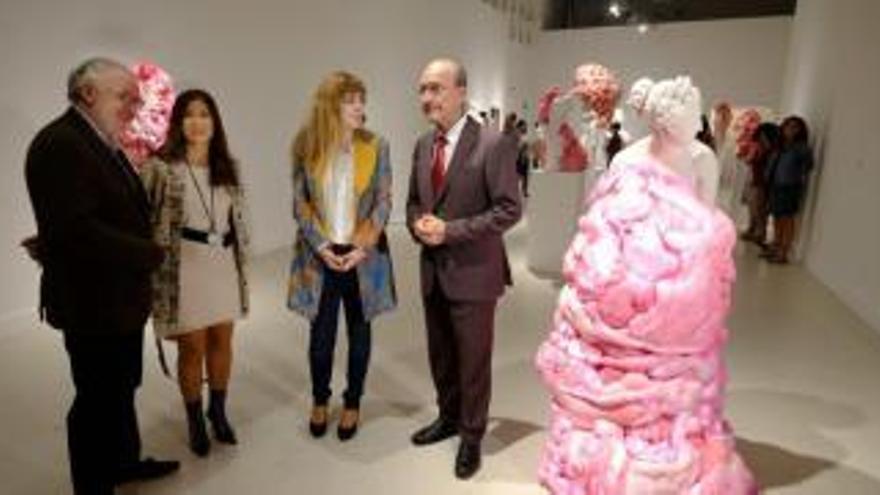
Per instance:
x=671, y=107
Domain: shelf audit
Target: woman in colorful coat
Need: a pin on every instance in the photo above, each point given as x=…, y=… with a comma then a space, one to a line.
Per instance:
x=341, y=203
x=201, y=287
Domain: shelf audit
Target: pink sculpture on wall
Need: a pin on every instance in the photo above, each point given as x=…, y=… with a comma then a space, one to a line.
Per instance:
x=634, y=357
x=146, y=133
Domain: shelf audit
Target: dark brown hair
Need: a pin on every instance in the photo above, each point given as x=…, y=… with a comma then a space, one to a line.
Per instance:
x=221, y=165
x=803, y=133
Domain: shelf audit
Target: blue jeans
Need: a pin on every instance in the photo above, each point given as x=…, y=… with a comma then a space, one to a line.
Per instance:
x=338, y=287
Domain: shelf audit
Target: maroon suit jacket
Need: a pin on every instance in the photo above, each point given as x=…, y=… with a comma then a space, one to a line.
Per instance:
x=479, y=200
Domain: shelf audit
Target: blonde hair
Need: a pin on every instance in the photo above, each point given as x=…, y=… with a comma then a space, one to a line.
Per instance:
x=319, y=138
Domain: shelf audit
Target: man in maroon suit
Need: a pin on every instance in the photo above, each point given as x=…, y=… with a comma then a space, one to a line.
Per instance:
x=463, y=195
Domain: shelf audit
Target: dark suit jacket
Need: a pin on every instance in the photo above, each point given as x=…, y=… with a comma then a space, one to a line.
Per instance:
x=479, y=200
x=94, y=231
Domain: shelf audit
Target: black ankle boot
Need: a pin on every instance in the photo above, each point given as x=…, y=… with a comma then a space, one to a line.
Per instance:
x=217, y=415
x=198, y=433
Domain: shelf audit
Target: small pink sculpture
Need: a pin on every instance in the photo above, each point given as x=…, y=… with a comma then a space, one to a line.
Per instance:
x=576, y=120
x=146, y=133
x=744, y=128
x=599, y=89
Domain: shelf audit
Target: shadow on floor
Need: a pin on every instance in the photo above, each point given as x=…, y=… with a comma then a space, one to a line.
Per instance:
x=504, y=432
x=777, y=465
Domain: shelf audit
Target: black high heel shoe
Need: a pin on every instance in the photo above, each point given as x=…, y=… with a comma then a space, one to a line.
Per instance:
x=318, y=421
x=347, y=432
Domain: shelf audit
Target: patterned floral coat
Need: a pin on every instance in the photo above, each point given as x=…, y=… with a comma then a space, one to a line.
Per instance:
x=373, y=198
x=166, y=187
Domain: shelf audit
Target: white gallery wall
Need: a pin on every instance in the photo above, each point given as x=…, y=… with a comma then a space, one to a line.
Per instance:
x=740, y=60
x=262, y=59
x=833, y=79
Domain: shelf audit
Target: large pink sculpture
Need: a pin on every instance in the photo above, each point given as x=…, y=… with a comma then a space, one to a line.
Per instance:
x=634, y=358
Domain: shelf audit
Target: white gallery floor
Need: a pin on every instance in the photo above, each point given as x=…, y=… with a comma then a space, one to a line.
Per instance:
x=803, y=396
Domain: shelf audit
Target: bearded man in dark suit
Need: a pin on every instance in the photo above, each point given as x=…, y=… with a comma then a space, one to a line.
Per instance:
x=94, y=244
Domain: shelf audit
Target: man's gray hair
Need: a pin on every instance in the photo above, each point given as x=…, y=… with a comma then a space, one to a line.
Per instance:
x=86, y=73
x=460, y=75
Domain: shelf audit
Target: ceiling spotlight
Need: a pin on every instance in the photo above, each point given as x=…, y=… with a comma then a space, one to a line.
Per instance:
x=643, y=28
x=615, y=10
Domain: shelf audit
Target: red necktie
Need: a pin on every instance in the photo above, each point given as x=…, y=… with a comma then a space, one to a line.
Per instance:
x=438, y=165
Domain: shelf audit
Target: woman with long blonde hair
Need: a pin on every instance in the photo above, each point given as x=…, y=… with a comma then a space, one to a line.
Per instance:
x=341, y=203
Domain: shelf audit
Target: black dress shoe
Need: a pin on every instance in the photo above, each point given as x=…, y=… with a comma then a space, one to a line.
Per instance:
x=437, y=431
x=147, y=469
x=467, y=462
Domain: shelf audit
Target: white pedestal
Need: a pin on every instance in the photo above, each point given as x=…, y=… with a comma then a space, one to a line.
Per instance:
x=556, y=201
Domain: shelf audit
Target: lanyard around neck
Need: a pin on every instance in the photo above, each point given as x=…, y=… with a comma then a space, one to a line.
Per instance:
x=209, y=211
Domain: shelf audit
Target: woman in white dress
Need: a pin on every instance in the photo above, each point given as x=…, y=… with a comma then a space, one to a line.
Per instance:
x=201, y=288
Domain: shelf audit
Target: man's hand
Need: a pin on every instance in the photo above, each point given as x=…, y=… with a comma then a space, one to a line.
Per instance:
x=431, y=230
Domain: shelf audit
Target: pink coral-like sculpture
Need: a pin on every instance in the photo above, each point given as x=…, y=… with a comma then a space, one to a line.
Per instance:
x=634, y=358
x=574, y=157
x=545, y=103
x=600, y=90
x=744, y=127
x=146, y=132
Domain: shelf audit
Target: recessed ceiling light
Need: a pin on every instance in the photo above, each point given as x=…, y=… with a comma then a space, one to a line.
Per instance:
x=615, y=10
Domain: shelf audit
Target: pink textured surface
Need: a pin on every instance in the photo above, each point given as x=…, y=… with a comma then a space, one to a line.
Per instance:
x=634, y=356
x=599, y=88
x=574, y=156
x=744, y=128
x=545, y=103
x=146, y=133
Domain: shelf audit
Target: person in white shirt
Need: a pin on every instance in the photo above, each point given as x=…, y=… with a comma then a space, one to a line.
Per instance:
x=341, y=203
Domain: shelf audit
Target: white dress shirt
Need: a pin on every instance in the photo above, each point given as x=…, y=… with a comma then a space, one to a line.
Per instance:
x=452, y=136
x=339, y=201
